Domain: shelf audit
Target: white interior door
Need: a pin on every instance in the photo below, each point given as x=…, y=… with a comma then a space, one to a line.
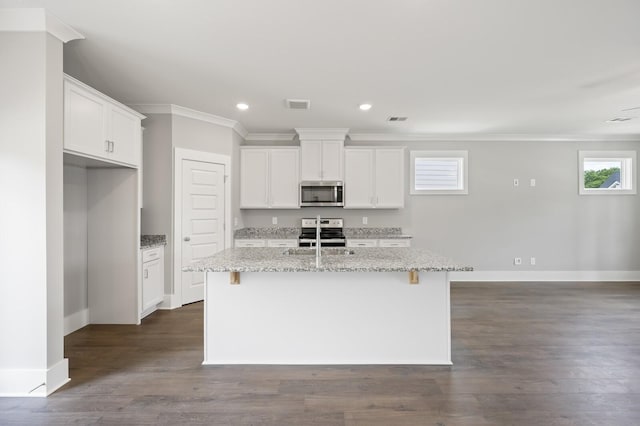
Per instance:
x=203, y=209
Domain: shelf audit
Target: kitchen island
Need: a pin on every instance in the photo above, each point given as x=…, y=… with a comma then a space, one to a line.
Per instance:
x=361, y=306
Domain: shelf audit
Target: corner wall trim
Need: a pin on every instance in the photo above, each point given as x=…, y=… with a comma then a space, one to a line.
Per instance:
x=36, y=19
x=34, y=382
x=171, y=301
x=529, y=276
x=236, y=126
x=76, y=321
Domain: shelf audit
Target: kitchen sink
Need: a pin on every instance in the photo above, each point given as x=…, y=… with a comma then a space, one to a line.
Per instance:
x=312, y=252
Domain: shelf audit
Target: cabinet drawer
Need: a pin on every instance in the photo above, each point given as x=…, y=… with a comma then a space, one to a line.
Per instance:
x=282, y=243
x=362, y=243
x=151, y=254
x=250, y=243
x=394, y=243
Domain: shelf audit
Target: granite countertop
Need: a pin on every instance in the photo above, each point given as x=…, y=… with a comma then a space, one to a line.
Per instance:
x=375, y=233
x=283, y=233
x=151, y=241
x=363, y=260
x=267, y=233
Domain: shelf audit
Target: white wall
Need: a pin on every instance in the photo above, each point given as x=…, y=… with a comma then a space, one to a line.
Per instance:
x=497, y=222
x=75, y=240
x=31, y=247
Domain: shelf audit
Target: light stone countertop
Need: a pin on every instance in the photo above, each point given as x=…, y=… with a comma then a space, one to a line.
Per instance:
x=363, y=260
x=152, y=241
x=274, y=233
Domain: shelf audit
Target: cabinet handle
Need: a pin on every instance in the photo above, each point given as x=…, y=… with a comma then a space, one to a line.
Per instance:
x=107, y=144
x=112, y=145
x=187, y=238
x=146, y=273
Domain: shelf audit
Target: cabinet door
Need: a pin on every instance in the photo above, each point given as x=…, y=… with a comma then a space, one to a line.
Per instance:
x=85, y=116
x=332, y=160
x=152, y=284
x=250, y=243
x=124, y=135
x=358, y=178
x=389, y=178
x=361, y=243
x=310, y=160
x=284, y=178
x=394, y=243
x=254, y=176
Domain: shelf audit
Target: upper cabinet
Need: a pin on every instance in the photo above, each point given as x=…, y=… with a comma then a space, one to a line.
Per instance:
x=321, y=159
x=322, y=154
x=374, y=178
x=269, y=178
x=96, y=126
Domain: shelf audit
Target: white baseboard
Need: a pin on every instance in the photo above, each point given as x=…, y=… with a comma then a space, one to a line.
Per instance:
x=171, y=301
x=529, y=276
x=34, y=382
x=76, y=321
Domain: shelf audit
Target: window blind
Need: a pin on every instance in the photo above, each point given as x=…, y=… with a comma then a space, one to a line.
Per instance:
x=438, y=173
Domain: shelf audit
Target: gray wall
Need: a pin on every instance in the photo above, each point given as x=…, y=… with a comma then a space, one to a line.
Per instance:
x=497, y=222
x=163, y=133
x=75, y=239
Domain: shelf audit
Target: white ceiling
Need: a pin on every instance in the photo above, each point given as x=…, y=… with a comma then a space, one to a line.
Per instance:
x=451, y=66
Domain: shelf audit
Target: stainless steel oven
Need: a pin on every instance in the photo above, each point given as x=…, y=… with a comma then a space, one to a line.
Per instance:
x=331, y=234
x=321, y=194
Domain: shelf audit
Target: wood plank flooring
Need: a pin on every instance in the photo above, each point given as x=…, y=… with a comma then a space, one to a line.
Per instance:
x=524, y=354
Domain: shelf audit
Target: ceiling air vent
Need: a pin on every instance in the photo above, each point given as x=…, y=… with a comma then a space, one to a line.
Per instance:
x=619, y=119
x=298, y=103
x=396, y=119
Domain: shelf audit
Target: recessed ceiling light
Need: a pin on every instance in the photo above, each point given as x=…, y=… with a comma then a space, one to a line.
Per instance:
x=619, y=119
x=242, y=106
x=365, y=107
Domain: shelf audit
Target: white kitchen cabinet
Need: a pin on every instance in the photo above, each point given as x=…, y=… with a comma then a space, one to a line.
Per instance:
x=374, y=178
x=361, y=243
x=269, y=178
x=241, y=243
x=391, y=242
x=152, y=280
x=282, y=243
x=384, y=242
x=96, y=126
x=321, y=160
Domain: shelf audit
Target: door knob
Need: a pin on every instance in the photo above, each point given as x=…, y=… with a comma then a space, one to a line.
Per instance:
x=187, y=238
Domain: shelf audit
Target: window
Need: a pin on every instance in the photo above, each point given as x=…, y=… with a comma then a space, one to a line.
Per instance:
x=439, y=172
x=607, y=172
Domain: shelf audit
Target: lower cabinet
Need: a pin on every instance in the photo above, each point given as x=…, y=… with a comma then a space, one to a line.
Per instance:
x=265, y=243
x=390, y=242
x=152, y=280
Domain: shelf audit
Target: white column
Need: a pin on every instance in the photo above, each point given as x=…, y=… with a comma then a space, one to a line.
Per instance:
x=32, y=362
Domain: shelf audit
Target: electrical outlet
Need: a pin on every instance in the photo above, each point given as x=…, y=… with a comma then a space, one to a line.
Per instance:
x=516, y=182
x=274, y=220
x=517, y=261
x=532, y=183
x=533, y=260
x=365, y=220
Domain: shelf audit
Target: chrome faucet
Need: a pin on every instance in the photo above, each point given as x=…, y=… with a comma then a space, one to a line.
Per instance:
x=318, y=248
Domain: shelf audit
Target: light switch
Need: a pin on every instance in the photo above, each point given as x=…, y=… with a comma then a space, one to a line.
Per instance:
x=532, y=183
x=365, y=220
x=274, y=220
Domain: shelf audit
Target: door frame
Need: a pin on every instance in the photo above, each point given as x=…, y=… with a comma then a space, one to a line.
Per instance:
x=203, y=157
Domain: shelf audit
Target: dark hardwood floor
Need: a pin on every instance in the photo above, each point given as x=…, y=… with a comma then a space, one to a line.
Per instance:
x=524, y=354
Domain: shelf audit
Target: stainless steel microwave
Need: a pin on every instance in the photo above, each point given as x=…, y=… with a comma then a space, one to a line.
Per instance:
x=321, y=194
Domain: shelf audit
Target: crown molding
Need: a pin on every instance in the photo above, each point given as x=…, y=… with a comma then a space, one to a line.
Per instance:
x=191, y=113
x=448, y=137
x=270, y=137
x=36, y=19
x=320, y=133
